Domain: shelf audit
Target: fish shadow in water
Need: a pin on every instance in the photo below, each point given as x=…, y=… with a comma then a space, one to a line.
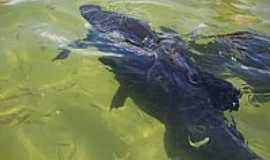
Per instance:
x=155, y=102
x=149, y=98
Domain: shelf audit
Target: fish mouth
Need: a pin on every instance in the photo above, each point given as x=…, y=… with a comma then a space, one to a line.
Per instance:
x=199, y=143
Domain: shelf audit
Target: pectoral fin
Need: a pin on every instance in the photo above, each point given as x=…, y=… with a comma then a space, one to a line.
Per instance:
x=119, y=97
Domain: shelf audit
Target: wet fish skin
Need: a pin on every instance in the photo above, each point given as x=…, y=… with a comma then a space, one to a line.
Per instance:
x=106, y=21
x=191, y=102
x=152, y=62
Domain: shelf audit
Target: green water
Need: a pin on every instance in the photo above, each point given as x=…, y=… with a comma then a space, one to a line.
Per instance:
x=60, y=111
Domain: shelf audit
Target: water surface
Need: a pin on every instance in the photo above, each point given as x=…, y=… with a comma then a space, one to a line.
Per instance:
x=60, y=111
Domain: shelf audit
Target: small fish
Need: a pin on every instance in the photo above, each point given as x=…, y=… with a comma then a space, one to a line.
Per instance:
x=62, y=55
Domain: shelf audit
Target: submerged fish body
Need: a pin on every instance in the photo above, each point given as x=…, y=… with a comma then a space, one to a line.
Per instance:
x=106, y=21
x=168, y=60
x=193, y=100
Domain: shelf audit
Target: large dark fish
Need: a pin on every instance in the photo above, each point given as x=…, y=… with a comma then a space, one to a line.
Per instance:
x=155, y=71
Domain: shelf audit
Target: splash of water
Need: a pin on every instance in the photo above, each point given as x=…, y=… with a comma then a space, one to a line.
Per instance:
x=54, y=37
x=64, y=42
x=171, y=4
x=14, y=2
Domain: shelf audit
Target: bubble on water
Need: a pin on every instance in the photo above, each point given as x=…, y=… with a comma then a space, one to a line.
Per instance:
x=233, y=59
x=58, y=112
x=87, y=25
x=202, y=25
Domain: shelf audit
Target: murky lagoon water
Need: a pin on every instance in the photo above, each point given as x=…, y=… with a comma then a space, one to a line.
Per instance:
x=60, y=111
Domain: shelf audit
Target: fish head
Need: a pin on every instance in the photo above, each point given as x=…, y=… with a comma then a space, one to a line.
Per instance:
x=224, y=96
x=233, y=98
x=88, y=11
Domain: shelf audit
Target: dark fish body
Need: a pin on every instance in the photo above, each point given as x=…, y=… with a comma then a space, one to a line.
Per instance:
x=106, y=21
x=193, y=101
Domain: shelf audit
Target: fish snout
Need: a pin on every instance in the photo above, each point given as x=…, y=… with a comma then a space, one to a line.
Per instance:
x=88, y=9
x=236, y=97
